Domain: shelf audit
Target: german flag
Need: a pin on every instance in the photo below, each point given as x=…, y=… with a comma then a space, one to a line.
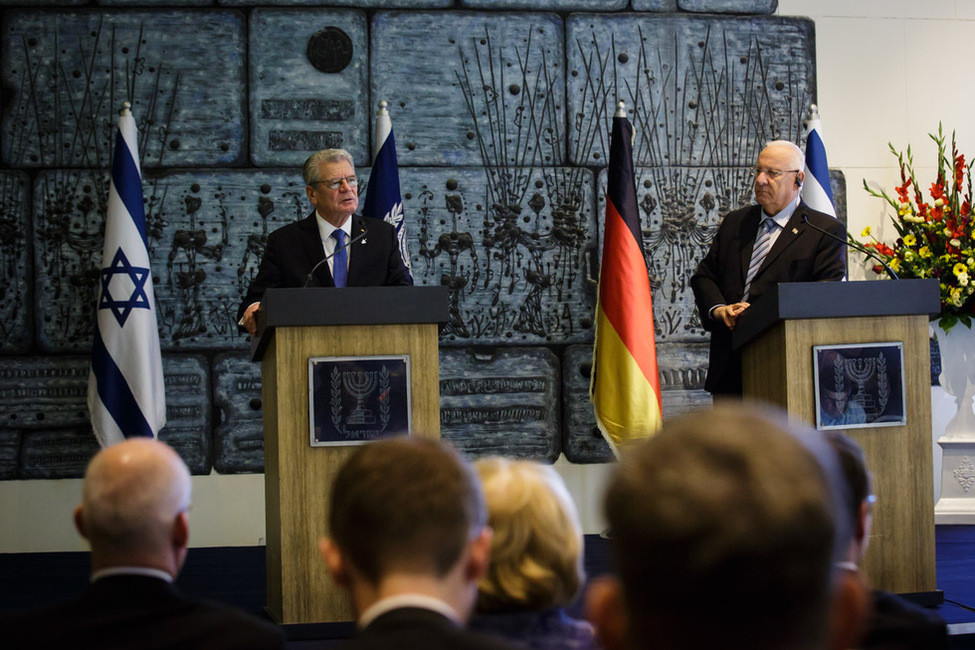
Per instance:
x=625, y=385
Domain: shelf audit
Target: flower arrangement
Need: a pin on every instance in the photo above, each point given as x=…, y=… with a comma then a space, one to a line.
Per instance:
x=935, y=234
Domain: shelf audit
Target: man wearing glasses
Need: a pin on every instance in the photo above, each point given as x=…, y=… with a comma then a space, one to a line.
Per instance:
x=333, y=246
x=779, y=240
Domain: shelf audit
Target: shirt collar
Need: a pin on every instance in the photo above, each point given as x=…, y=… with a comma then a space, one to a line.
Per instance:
x=408, y=600
x=325, y=228
x=783, y=216
x=130, y=571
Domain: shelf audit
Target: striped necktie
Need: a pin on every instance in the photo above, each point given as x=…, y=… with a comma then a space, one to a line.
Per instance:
x=762, y=244
x=340, y=263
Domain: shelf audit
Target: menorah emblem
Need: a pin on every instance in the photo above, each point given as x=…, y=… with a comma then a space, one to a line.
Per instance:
x=359, y=383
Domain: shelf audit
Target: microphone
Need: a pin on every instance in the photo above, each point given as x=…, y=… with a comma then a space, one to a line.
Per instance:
x=325, y=259
x=854, y=245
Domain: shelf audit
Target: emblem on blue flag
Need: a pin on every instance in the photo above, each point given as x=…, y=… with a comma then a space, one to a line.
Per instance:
x=383, y=198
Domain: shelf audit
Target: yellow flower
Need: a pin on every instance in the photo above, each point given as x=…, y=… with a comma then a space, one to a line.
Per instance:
x=866, y=232
x=895, y=264
x=910, y=240
x=925, y=252
x=959, y=269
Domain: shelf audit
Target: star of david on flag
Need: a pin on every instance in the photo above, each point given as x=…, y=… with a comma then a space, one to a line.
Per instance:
x=126, y=393
x=383, y=198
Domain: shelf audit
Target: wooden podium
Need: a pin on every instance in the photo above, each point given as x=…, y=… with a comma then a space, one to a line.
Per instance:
x=777, y=339
x=295, y=324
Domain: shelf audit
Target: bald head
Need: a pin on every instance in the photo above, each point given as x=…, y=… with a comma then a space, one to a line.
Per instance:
x=133, y=507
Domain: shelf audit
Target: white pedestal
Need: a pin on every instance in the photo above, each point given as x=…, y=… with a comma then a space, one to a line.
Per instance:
x=957, y=502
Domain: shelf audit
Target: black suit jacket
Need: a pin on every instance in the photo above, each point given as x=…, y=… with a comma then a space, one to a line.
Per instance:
x=897, y=624
x=137, y=613
x=800, y=254
x=293, y=250
x=414, y=627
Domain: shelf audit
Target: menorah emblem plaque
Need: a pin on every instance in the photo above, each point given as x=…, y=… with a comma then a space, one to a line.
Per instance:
x=357, y=399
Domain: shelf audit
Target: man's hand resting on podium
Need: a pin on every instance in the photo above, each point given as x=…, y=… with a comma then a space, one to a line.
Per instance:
x=249, y=320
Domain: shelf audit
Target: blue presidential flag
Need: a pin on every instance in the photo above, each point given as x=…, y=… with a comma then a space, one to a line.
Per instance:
x=126, y=394
x=816, y=191
x=383, y=198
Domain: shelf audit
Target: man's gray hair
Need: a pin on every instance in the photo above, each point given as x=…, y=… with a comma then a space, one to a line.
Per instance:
x=315, y=161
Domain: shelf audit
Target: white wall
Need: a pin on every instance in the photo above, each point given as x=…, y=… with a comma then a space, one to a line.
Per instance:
x=888, y=71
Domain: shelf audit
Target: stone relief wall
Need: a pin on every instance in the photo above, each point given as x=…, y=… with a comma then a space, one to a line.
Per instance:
x=502, y=111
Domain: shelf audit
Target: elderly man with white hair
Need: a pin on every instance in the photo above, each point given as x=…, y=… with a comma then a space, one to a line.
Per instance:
x=781, y=239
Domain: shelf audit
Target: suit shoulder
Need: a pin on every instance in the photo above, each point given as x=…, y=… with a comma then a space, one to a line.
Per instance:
x=371, y=223
x=821, y=219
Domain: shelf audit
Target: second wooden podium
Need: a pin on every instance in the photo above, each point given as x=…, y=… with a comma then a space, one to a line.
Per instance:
x=778, y=339
x=294, y=326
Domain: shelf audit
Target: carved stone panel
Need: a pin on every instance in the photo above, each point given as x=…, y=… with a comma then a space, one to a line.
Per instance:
x=582, y=442
x=493, y=86
x=503, y=401
x=16, y=290
x=700, y=90
x=70, y=72
x=729, y=6
x=308, y=79
x=188, y=410
x=513, y=245
x=357, y=4
x=547, y=5
x=45, y=402
x=238, y=437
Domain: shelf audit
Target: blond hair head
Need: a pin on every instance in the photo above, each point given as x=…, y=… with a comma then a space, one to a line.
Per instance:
x=537, y=550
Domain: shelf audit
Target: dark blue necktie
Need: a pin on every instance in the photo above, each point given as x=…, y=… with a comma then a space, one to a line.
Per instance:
x=340, y=261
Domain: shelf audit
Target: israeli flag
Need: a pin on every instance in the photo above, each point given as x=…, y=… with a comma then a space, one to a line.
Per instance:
x=383, y=198
x=126, y=394
x=816, y=191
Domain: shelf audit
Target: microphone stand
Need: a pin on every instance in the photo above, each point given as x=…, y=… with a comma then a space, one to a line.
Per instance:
x=332, y=254
x=854, y=245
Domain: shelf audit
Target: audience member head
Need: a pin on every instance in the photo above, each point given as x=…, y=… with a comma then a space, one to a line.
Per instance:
x=407, y=513
x=536, y=552
x=860, y=499
x=723, y=535
x=134, y=504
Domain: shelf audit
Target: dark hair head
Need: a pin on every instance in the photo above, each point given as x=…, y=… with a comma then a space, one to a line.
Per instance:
x=721, y=515
x=405, y=503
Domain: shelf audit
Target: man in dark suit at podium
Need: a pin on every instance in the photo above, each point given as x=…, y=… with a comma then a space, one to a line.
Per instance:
x=779, y=240
x=343, y=248
x=409, y=539
x=135, y=514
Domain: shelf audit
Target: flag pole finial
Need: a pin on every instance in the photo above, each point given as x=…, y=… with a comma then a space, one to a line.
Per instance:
x=620, y=109
x=126, y=109
x=382, y=108
x=813, y=112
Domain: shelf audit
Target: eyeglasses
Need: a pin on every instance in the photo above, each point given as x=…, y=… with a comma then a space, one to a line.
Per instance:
x=772, y=174
x=336, y=183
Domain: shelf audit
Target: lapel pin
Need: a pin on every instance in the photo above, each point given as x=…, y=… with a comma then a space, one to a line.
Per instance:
x=362, y=241
x=795, y=231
